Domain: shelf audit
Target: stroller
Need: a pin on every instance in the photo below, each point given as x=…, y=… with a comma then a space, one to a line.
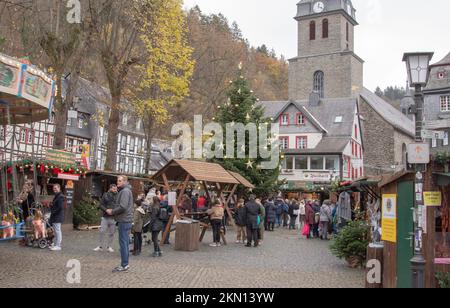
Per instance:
x=30, y=239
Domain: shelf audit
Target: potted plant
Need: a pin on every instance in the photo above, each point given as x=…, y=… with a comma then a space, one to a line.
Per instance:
x=442, y=159
x=351, y=243
x=443, y=280
x=86, y=212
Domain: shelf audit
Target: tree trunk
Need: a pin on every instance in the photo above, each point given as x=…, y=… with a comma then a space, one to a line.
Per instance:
x=113, y=130
x=148, y=129
x=61, y=110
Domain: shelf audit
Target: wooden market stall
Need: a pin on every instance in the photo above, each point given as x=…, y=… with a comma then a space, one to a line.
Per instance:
x=178, y=174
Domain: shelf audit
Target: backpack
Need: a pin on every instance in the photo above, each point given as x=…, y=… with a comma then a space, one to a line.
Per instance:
x=163, y=214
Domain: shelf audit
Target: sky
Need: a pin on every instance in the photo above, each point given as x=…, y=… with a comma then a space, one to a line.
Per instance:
x=387, y=29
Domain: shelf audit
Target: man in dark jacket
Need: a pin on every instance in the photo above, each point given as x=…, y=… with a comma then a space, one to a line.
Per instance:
x=108, y=225
x=57, y=217
x=293, y=209
x=123, y=214
x=252, y=212
x=270, y=214
x=169, y=210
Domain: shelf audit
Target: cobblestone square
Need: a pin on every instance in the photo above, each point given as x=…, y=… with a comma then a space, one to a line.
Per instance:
x=285, y=260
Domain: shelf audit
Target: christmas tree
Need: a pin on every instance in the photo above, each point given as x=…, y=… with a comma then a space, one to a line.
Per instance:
x=241, y=107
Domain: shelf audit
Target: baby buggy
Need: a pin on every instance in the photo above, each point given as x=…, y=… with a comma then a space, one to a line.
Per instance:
x=30, y=238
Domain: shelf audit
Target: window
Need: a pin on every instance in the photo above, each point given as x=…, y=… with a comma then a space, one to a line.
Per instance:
x=361, y=171
x=356, y=132
x=30, y=136
x=45, y=139
x=360, y=152
x=353, y=148
x=289, y=163
x=319, y=83
x=123, y=143
x=23, y=135
x=69, y=122
x=316, y=162
x=301, y=163
x=302, y=143
x=139, y=125
x=325, y=28
x=80, y=122
x=338, y=119
x=356, y=174
x=445, y=142
x=50, y=140
x=284, y=120
x=2, y=133
x=125, y=120
x=332, y=163
x=300, y=119
x=312, y=30
x=441, y=75
x=138, y=166
x=434, y=141
x=139, y=144
x=52, y=118
x=445, y=103
x=284, y=143
x=122, y=163
x=133, y=143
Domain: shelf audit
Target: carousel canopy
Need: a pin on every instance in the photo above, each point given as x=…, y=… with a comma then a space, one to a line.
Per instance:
x=26, y=90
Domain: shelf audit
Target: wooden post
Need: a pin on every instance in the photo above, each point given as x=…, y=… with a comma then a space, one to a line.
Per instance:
x=205, y=184
x=374, y=253
x=166, y=182
x=175, y=212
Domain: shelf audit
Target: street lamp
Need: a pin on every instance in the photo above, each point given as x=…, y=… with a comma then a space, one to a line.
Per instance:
x=417, y=65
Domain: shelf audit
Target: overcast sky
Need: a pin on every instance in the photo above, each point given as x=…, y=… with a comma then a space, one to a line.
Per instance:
x=387, y=29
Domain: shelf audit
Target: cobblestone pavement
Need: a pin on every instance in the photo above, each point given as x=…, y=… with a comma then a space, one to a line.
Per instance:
x=285, y=260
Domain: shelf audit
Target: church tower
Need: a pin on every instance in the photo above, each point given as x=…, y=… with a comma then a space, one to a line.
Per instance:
x=326, y=62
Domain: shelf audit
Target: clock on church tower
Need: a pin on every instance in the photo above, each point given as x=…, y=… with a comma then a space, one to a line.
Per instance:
x=326, y=62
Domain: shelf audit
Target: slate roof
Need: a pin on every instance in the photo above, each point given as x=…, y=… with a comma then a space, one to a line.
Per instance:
x=328, y=145
x=393, y=116
x=434, y=83
x=325, y=114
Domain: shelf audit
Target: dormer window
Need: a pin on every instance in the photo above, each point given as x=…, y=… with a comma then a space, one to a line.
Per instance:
x=302, y=143
x=338, y=119
x=284, y=120
x=441, y=75
x=300, y=119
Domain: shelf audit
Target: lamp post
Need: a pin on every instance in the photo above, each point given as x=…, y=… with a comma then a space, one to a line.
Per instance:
x=417, y=65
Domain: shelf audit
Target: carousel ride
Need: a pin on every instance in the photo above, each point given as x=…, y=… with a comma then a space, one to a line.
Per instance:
x=26, y=97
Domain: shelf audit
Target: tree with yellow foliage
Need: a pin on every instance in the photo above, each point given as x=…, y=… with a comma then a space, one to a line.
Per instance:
x=167, y=69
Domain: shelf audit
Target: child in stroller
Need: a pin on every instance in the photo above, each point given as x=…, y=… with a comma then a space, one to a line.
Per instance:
x=41, y=232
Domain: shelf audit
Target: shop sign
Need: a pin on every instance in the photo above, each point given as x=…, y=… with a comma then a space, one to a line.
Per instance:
x=60, y=157
x=70, y=177
x=432, y=198
x=389, y=218
x=419, y=153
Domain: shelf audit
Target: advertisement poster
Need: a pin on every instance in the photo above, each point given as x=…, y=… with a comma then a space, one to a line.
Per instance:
x=432, y=198
x=10, y=75
x=37, y=88
x=389, y=218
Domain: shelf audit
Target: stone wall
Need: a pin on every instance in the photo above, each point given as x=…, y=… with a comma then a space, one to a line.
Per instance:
x=379, y=141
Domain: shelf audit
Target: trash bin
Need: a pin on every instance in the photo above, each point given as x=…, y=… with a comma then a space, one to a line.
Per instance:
x=187, y=236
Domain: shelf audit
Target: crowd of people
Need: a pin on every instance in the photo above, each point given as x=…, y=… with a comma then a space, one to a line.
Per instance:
x=150, y=213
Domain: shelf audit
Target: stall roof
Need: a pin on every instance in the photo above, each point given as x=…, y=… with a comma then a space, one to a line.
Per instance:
x=116, y=174
x=394, y=177
x=176, y=170
x=242, y=180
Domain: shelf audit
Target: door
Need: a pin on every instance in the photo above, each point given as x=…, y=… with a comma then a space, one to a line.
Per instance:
x=405, y=231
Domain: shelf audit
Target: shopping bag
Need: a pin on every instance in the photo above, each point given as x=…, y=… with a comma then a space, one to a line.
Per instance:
x=306, y=230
